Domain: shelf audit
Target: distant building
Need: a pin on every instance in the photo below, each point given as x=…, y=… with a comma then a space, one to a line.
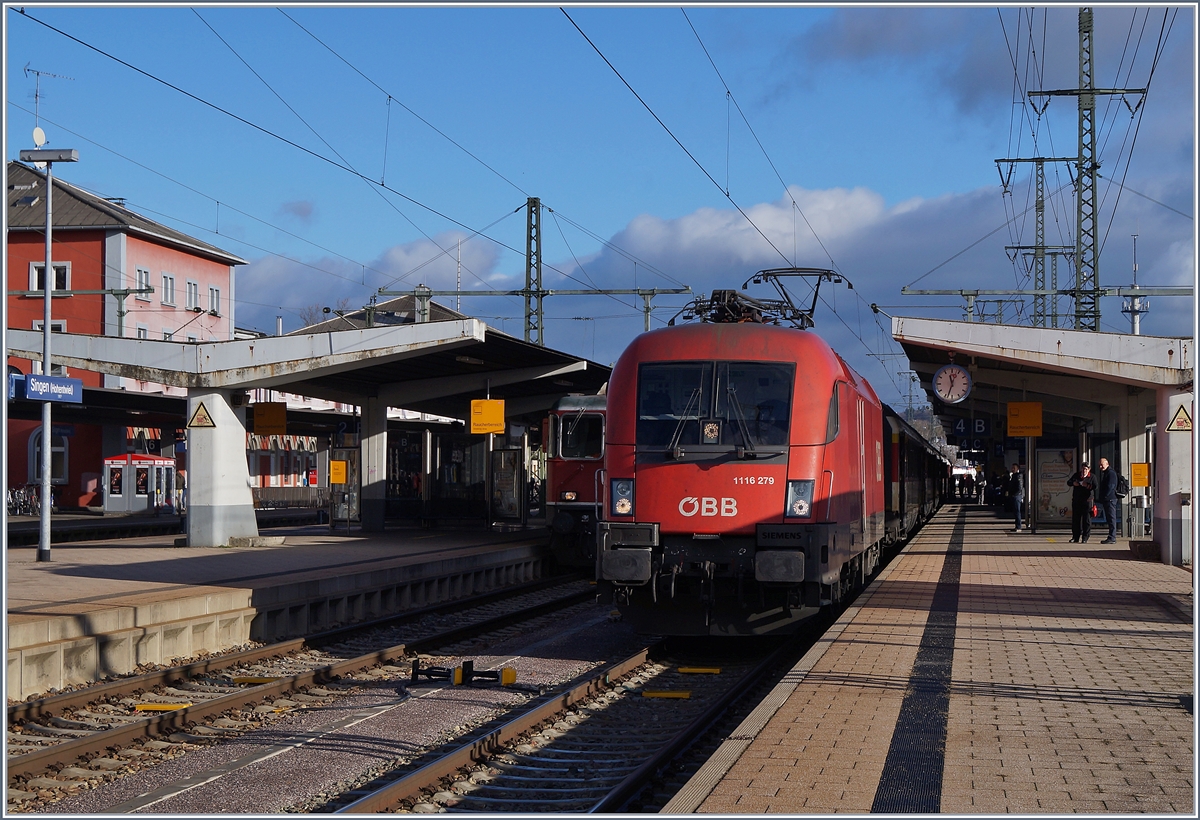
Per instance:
x=100, y=245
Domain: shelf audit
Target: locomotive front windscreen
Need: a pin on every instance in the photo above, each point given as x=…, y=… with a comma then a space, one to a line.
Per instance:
x=582, y=435
x=746, y=404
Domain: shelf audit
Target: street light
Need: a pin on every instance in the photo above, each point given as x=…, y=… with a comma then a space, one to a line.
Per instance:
x=48, y=156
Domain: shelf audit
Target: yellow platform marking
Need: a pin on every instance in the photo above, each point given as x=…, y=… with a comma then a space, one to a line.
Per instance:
x=254, y=681
x=160, y=707
x=699, y=670
x=665, y=694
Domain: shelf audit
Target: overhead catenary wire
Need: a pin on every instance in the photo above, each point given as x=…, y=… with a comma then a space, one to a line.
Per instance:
x=786, y=188
x=294, y=144
x=673, y=137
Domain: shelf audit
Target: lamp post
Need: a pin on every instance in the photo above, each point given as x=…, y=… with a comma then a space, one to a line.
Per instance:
x=48, y=156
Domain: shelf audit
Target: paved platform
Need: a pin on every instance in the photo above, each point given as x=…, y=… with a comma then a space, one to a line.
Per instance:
x=102, y=608
x=983, y=672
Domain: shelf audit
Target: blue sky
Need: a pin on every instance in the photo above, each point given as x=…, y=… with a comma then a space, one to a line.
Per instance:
x=883, y=123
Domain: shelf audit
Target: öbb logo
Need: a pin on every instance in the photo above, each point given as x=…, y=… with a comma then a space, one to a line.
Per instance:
x=691, y=505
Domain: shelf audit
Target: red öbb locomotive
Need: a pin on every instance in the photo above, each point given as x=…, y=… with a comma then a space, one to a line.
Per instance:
x=745, y=483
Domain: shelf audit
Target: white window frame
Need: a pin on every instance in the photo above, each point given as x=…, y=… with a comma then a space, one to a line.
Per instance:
x=168, y=335
x=168, y=289
x=193, y=294
x=143, y=332
x=35, y=274
x=35, y=458
x=141, y=280
x=214, y=300
x=192, y=339
x=56, y=326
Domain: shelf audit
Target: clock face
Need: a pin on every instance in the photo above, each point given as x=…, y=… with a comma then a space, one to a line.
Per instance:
x=952, y=383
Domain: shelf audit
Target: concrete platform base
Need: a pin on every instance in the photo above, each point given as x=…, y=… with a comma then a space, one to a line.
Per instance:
x=79, y=638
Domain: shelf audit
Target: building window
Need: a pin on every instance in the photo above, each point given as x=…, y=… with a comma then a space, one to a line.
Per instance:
x=143, y=332
x=193, y=295
x=168, y=335
x=214, y=301
x=192, y=339
x=58, y=458
x=62, y=275
x=56, y=326
x=142, y=282
x=168, y=289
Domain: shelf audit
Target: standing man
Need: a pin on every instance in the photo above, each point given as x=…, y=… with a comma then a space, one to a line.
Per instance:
x=1106, y=497
x=1083, y=496
x=1016, y=491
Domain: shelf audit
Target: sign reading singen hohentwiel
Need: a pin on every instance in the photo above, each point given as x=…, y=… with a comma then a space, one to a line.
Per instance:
x=53, y=388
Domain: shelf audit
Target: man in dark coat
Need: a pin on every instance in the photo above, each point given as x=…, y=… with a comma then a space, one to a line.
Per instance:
x=1083, y=495
x=1016, y=491
x=1106, y=497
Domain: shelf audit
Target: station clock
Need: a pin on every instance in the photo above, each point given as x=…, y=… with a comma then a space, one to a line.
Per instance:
x=952, y=383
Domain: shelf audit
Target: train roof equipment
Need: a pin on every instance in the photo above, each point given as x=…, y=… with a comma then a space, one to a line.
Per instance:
x=731, y=306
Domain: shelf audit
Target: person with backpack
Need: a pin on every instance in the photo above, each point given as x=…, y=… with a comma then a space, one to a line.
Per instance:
x=1015, y=487
x=1106, y=496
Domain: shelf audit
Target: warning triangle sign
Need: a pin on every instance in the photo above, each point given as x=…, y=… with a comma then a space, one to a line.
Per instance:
x=201, y=418
x=1181, y=422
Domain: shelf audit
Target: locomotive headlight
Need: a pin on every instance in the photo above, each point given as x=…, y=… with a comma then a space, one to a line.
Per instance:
x=566, y=496
x=799, y=499
x=622, y=496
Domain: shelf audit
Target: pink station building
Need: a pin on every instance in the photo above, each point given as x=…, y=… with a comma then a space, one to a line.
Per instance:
x=104, y=252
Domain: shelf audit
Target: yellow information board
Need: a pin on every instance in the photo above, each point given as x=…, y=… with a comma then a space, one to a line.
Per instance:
x=487, y=415
x=270, y=418
x=1139, y=474
x=1024, y=418
x=337, y=472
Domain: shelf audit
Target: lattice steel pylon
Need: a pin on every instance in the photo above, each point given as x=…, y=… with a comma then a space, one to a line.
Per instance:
x=1087, y=275
x=534, y=318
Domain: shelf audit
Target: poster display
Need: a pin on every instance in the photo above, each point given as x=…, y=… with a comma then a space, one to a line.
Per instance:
x=1054, y=467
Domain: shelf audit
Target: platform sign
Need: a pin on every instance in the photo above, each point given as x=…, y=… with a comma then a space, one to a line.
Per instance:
x=57, y=388
x=337, y=472
x=970, y=428
x=1139, y=474
x=487, y=415
x=270, y=418
x=1024, y=418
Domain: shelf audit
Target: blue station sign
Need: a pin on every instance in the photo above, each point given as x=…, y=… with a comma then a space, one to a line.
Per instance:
x=53, y=388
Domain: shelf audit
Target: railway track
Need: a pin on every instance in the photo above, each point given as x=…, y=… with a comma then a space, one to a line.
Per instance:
x=73, y=735
x=592, y=747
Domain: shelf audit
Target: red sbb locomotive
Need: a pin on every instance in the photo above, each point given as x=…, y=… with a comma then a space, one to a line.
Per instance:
x=573, y=434
x=746, y=480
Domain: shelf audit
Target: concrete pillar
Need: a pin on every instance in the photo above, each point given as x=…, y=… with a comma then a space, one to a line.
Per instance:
x=220, y=504
x=1173, y=480
x=374, y=464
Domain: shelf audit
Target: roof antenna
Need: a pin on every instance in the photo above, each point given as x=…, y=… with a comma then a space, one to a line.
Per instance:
x=37, y=91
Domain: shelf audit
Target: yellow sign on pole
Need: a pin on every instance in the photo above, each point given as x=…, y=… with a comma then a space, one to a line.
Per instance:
x=270, y=418
x=337, y=472
x=1024, y=418
x=487, y=415
x=1139, y=474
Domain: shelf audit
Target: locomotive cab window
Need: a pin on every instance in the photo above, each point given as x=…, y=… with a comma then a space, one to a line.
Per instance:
x=581, y=436
x=717, y=404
